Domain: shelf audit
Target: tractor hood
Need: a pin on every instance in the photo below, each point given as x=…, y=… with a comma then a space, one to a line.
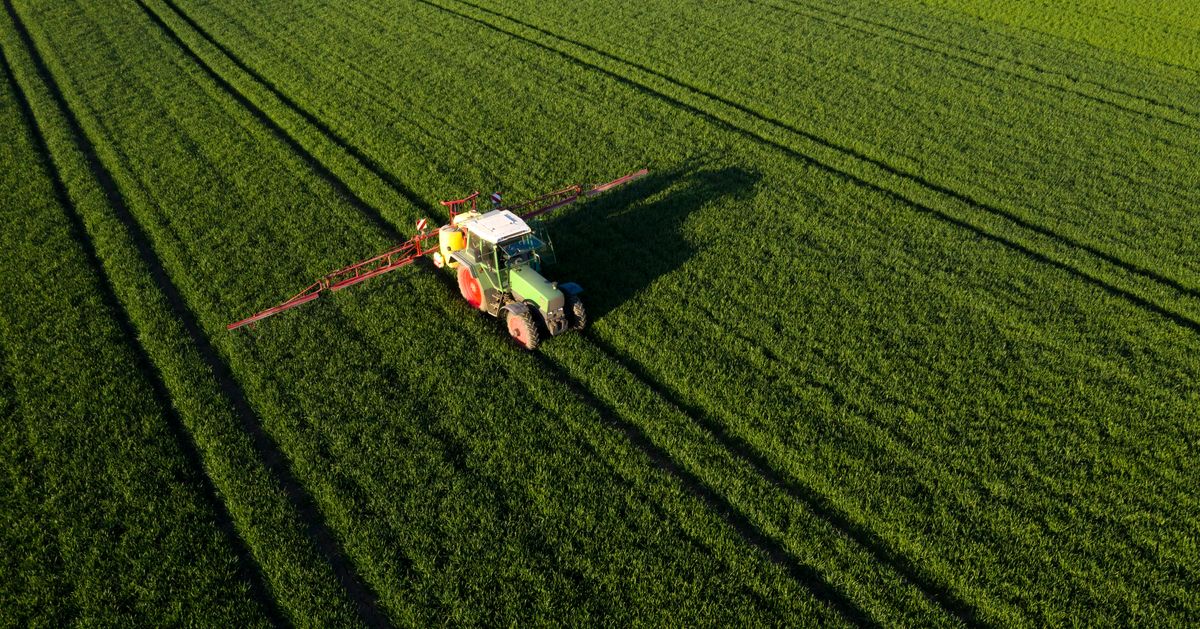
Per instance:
x=529, y=285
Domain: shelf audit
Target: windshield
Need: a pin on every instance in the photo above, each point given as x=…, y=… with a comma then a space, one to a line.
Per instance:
x=520, y=250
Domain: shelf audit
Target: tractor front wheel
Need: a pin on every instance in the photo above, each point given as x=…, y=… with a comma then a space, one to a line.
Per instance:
x=522, y=328
x=469, y=287
x=576, y=315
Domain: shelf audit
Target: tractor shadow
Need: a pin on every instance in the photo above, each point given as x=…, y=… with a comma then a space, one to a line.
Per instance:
x=619, y=244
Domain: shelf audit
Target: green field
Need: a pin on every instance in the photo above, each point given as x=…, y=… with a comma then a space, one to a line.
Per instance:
x=902, y=329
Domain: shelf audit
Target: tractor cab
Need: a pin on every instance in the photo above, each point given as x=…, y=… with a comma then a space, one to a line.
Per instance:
x=495, y=243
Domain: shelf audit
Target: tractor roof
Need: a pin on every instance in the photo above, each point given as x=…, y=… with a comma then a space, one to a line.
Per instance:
x=496, y=226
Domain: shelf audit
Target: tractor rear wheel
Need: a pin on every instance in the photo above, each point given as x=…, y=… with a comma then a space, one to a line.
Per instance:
x=469, y=287
x=523, y=329
x=576, y=315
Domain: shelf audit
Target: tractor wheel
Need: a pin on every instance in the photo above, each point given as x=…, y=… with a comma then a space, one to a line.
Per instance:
x=469, y=287
x=523, y=329
x=576, y=315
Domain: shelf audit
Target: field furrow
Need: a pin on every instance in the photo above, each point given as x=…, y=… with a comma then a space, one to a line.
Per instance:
x=130, y=447
x=258, y=507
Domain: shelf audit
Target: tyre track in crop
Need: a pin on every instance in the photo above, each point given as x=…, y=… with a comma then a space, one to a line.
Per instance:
x=365, y=160
x=456, y=454
x=247, y=568
x=1017, y=223
x=1107, y=55
x=454, y=451
x=269, y=452
x=812, y=499
x=888, y=440
x=449, y=448
x=884, y=432
x=956, y=52
x=776, y=552
x=736, y=298
x=373, y=215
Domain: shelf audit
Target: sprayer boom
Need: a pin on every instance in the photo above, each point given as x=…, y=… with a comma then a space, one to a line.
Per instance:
x=413, y=249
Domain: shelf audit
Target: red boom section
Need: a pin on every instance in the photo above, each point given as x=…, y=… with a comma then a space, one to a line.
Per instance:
x=390, y=260
x=568, y=195
x=605, y=187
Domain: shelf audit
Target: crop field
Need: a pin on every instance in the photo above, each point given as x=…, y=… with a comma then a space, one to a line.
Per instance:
x=902, y=328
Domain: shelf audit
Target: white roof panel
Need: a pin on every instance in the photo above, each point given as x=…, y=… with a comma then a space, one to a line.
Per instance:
x=497, y=225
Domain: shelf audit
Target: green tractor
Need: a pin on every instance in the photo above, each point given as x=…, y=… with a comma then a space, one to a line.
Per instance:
x=498, y=258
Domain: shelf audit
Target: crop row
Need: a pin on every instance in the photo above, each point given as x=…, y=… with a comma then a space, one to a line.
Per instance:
x=99, y=478
x=261, y=514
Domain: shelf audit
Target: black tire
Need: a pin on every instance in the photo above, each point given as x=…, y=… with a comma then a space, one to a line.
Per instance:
x=576, y=315
x=523, y=328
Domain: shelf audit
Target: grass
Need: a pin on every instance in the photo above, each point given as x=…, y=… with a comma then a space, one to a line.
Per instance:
x=901, y=330
x=86, y=416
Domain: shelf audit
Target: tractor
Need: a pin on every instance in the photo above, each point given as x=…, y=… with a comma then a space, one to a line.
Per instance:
x=497, y=257
x=498, y=260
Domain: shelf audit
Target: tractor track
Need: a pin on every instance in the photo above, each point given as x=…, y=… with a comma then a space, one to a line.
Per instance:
x=889, y=170
x=893, y=443
x=451, y=449
x=690, y=484
x=775, y=551
x=812, y=500
x=268, y=451
x=735, y=299
x=365, y=160
x=959, y=53
x=248, y=568
x=375, y=216
x=754, y=536
x=1038, y=38
x=897, y=437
